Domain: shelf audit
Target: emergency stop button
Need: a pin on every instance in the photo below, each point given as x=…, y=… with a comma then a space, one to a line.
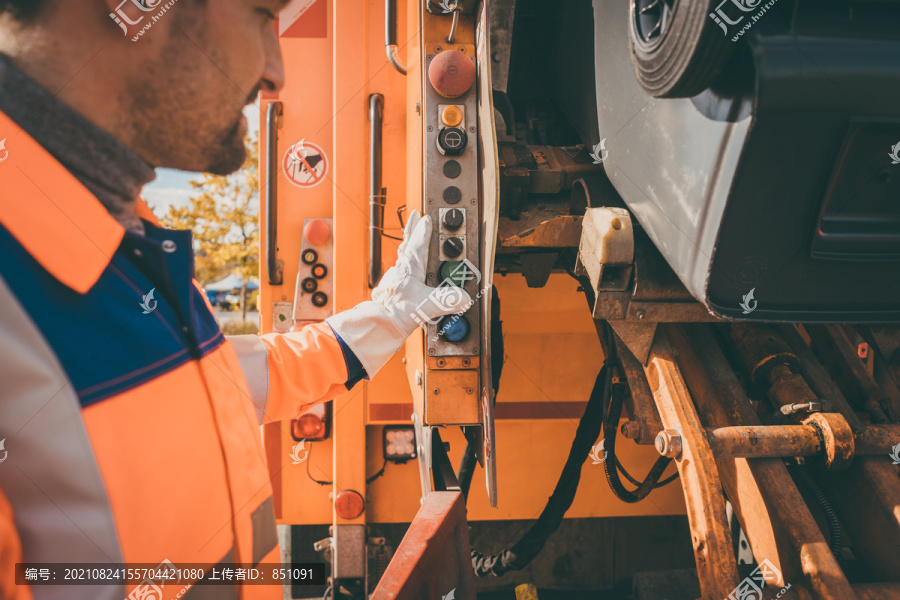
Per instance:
x=317, y=232
x=451, y=73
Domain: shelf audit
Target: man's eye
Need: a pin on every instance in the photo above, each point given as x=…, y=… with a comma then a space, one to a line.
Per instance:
x=268, y=14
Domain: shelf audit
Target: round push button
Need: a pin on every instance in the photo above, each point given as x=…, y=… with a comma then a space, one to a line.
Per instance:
x=317, y=232
x=451, y=73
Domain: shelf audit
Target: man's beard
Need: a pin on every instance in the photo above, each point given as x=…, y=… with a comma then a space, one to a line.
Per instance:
x=230, y=153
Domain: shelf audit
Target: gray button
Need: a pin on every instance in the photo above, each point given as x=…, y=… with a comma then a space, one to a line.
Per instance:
x=168, y=246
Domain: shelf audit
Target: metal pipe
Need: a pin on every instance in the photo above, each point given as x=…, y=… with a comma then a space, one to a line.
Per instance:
x=376, y=190
x=782, y=441
x=274, y=267
x=390, y=35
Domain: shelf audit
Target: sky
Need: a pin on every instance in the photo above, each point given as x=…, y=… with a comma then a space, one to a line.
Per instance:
x=172, y=188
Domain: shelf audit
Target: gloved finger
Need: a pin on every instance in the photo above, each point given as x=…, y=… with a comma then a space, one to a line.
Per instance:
x=411, y=223
x=446, y=300
x=416, y=251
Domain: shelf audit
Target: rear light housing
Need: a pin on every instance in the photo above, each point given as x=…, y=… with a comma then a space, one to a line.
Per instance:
x=313, y=424
x=399, y=443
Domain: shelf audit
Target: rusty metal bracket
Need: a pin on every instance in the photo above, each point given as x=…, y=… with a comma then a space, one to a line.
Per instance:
x=710, y=532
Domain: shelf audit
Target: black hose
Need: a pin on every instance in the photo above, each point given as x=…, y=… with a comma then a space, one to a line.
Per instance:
x=834, y=526
x=524, y=551
x=609, y=465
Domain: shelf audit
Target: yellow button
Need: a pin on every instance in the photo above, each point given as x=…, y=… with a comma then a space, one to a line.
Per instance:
x=451, y=116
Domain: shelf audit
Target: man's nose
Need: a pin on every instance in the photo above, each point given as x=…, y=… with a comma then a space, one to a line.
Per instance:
x=273, y=74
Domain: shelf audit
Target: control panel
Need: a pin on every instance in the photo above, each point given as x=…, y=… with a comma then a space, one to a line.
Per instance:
x=451, y=192
x=315, y=279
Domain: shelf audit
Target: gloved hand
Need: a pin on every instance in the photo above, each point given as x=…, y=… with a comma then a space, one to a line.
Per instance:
x=400, y=304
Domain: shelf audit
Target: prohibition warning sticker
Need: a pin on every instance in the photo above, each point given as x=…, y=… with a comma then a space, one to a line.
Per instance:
x=305, y=164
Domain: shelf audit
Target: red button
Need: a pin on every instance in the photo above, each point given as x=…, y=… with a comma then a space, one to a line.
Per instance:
x=451, y=73
x=317, y=232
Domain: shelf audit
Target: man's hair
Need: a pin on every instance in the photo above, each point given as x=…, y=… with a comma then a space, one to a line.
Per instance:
x=23, y=10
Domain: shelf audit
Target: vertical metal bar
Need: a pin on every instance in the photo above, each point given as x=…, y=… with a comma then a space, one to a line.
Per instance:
x=377, y=198
x=390, y=35
x=274, y=267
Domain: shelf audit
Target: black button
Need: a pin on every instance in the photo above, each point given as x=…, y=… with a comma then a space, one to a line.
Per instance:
x=452, y=141
x=319, y=299
x=452, y=169
x=452, y=195
x=309, y=285
x=453, y=218
x=453, y=247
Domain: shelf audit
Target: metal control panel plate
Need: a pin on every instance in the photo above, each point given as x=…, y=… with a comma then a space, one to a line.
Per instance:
x=314, y=292
x=451, y=199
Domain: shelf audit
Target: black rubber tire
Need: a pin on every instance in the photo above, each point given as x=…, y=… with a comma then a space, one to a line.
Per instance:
x=688, y=57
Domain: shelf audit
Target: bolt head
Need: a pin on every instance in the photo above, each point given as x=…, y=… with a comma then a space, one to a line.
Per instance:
x=668, y=443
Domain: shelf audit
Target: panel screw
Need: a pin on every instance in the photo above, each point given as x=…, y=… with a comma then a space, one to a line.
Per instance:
x=472, y=200
x=639, y=313
x=468, y=390
x=431, y=351
x=668, y=443
x=430, y=128
x=438, y=49
x=475, y=351
x=436, y=391
x=472, y=129
x=441, y=362
x=462, y=49
x=466, y=362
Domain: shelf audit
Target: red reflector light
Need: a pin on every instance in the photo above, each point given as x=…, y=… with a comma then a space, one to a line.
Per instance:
x=308, y=427
x=349, y=504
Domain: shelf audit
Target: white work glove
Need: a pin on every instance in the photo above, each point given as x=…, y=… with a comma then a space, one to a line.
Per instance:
x=400, y=304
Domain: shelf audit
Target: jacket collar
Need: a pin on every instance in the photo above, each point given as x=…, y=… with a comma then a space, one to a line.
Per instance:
x=57, y=220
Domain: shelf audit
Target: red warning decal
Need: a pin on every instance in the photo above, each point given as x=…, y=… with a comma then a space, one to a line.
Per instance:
x=305, y=164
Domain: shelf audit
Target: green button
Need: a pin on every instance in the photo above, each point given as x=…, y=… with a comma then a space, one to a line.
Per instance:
x=454, y=271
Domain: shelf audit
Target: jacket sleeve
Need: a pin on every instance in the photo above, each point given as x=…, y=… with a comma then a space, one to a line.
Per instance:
x=286, y=372
x=10, y=554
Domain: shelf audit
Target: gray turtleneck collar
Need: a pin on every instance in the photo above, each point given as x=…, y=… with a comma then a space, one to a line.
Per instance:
x=103, y=164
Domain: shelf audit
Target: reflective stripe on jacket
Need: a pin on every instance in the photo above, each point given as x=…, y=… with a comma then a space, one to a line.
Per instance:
x=131, y=423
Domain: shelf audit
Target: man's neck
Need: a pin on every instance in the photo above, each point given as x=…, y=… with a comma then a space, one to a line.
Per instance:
x=103, y=164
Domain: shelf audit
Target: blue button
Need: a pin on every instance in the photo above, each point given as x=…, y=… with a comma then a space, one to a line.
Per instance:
x=453, y=328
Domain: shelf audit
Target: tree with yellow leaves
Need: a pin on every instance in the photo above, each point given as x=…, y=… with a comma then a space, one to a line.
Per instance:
x=223, y=216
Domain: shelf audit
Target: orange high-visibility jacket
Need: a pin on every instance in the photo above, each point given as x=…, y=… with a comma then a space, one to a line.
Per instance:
x=131, y=435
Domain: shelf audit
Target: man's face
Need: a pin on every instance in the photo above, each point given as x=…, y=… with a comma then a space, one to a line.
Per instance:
x=208, y=60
